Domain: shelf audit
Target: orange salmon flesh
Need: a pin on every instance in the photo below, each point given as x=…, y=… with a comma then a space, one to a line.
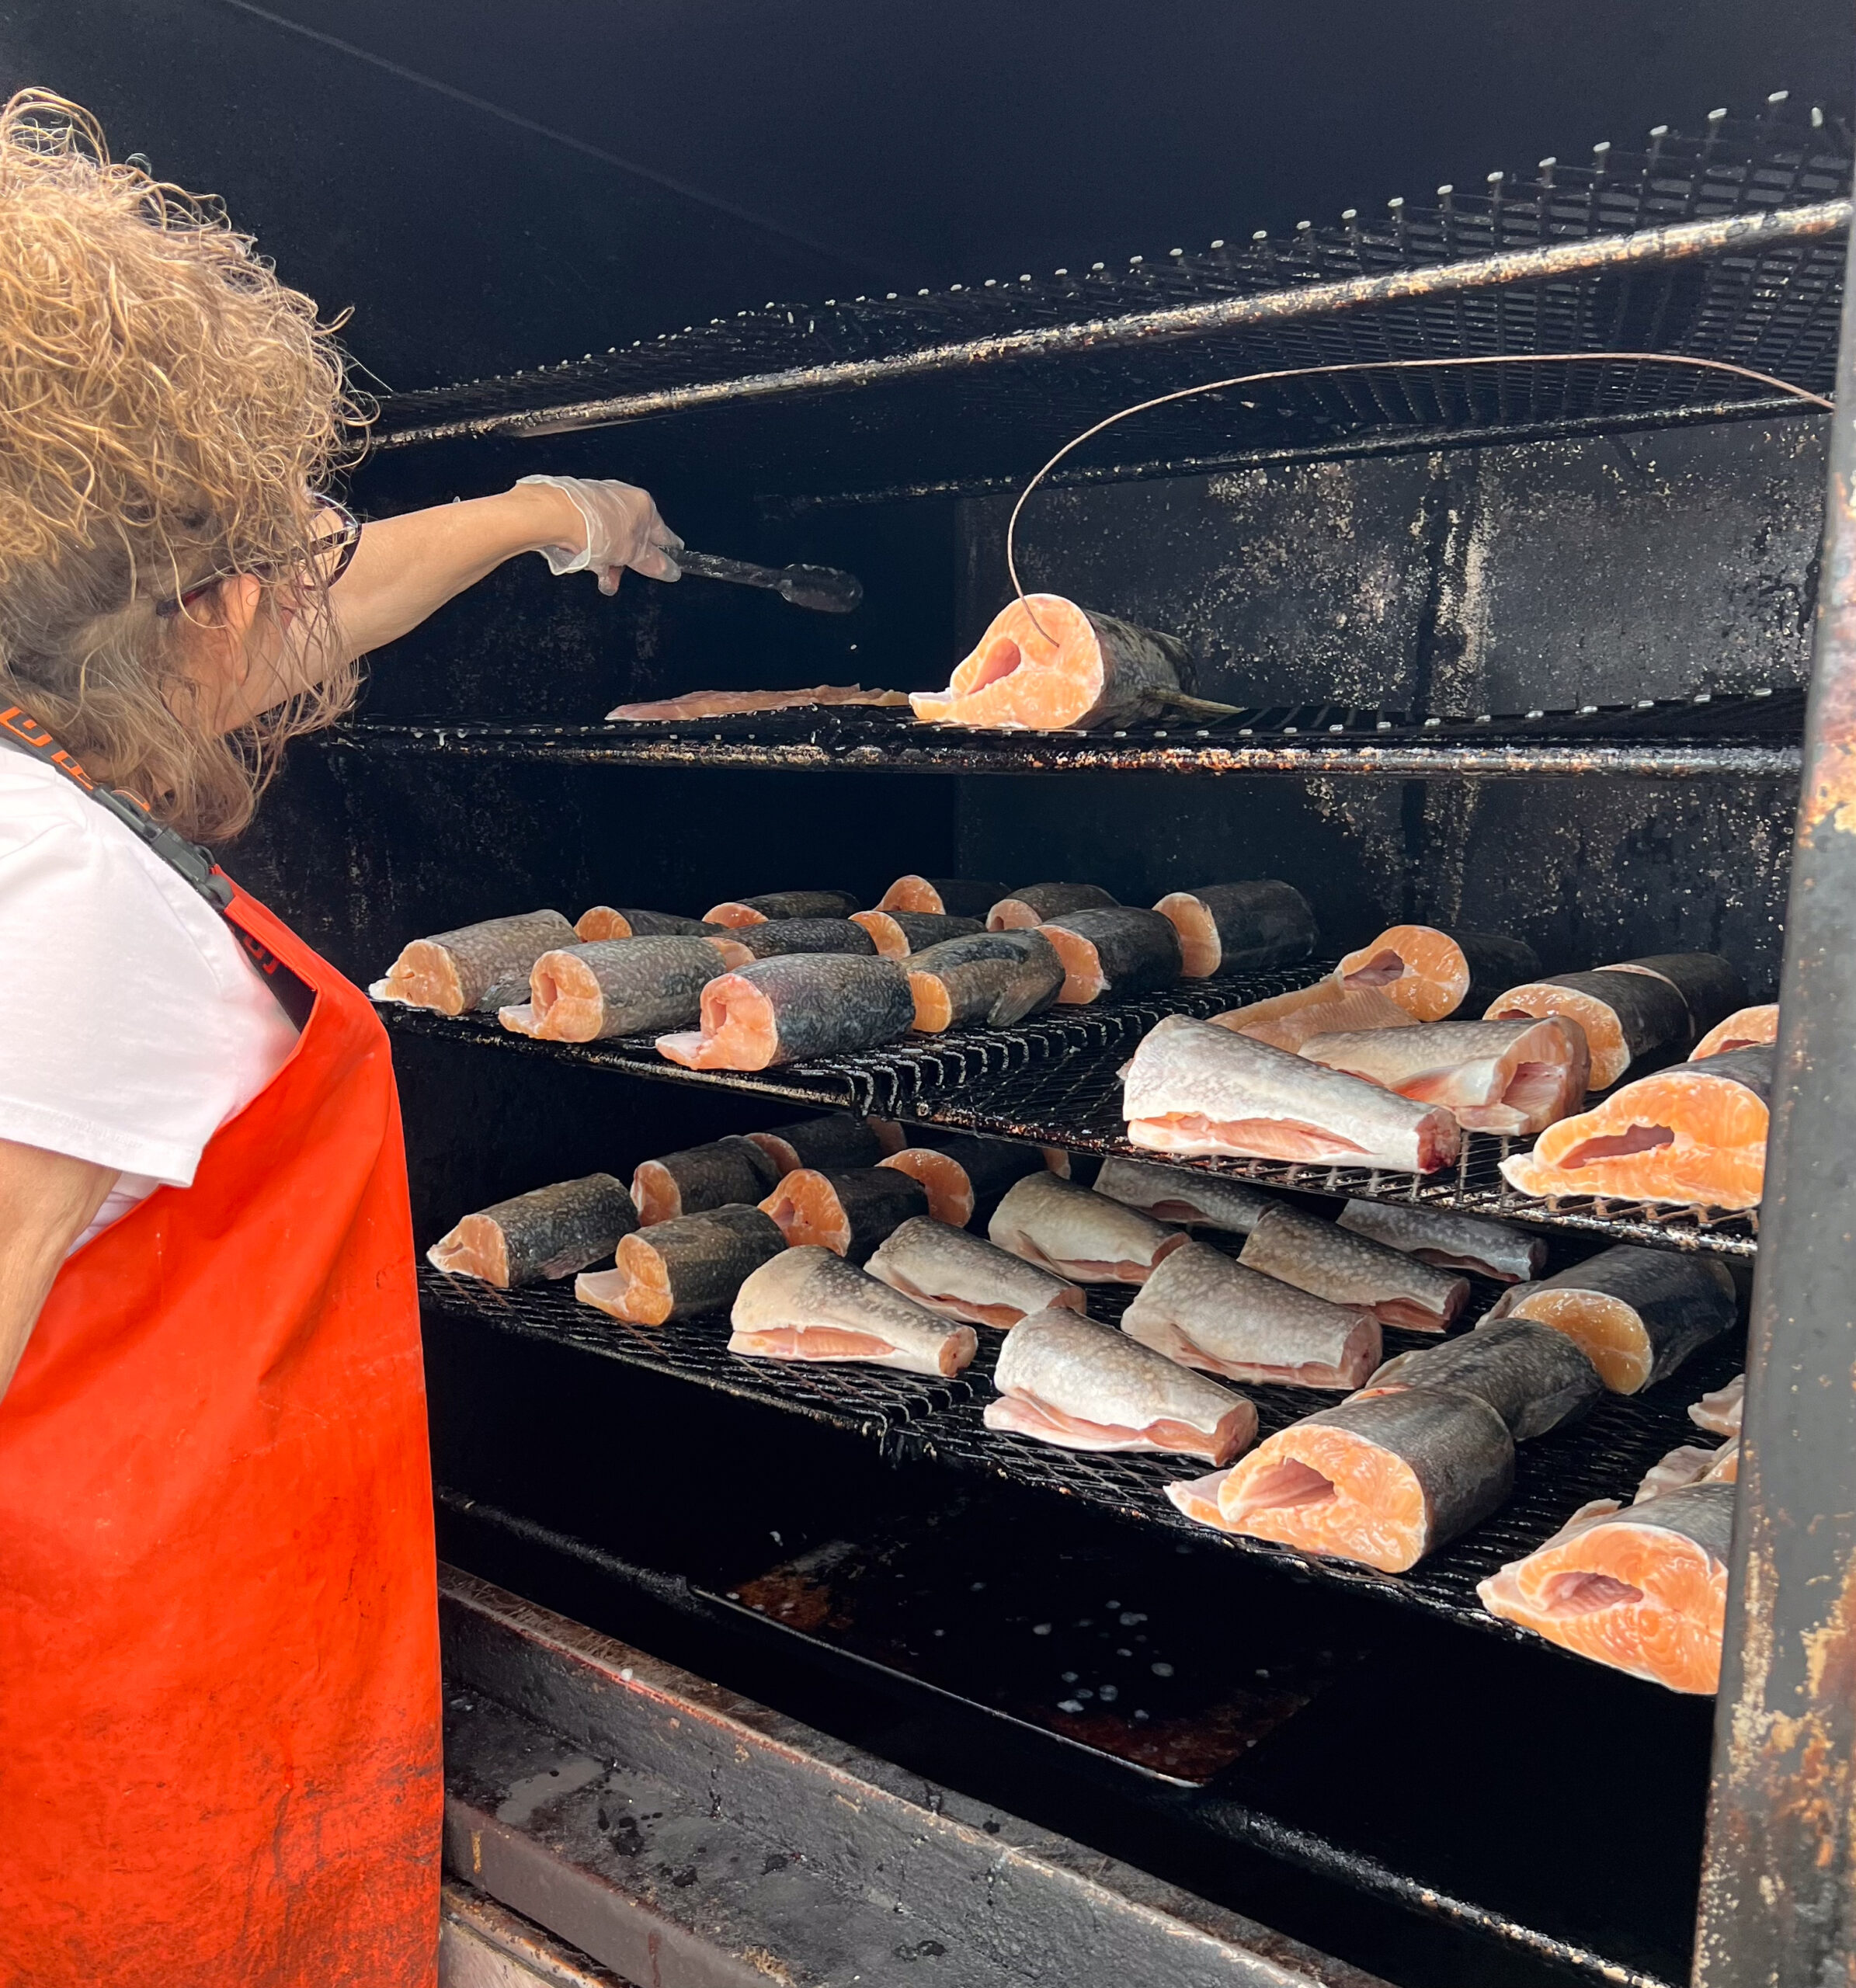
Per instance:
x=1421, y=969
x=1286, y=1021
x=601, y=921
x=738, y=1031
x=1326, y=1491
x=1745, y=1029
x=1039, y=667
x=426, y=975
x=637, y=1291
x=950, y=1192
x=1604, y=1328
x=1052, y=1425
x=806, y=1206
x=475, y=1248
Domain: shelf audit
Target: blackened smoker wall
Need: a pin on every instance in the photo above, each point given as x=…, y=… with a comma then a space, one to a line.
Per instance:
x=1541, y=575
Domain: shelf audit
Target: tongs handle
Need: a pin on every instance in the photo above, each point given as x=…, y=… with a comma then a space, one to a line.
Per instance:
x=823, y=589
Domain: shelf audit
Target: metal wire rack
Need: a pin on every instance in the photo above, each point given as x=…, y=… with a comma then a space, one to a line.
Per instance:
x=917, y=1418
x=1717, y=243
x=1752, y=735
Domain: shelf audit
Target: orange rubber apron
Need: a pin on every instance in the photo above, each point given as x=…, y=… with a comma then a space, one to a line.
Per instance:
x=219, y=1694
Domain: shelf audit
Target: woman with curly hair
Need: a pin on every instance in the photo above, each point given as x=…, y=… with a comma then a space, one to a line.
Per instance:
x=219, y=1742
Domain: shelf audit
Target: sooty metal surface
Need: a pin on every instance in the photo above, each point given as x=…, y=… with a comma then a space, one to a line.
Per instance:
x=1525, y=264
x=1751, y=736
x=914, y=1417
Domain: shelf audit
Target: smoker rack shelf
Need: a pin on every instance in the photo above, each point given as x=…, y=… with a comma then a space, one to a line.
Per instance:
x=1723, y=244
x=914, y=1417
x=1713, y=734
x=1053, y=1082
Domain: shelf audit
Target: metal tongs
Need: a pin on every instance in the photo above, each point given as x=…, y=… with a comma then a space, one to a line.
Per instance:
x=823, y=589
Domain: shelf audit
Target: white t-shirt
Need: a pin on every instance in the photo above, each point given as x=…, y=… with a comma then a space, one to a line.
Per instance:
x=131, y=1026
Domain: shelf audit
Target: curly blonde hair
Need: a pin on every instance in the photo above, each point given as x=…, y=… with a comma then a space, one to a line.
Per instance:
x=166, y=408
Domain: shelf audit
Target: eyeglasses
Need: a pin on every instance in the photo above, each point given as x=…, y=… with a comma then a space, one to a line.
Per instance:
x=339, y=545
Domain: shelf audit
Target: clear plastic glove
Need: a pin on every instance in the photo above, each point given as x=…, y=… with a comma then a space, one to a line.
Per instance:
x=623, y=529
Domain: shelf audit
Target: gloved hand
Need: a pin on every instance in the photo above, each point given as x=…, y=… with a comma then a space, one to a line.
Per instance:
x=623, y=529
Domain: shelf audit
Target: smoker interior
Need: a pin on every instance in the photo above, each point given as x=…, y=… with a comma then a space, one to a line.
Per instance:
x=1599, y=581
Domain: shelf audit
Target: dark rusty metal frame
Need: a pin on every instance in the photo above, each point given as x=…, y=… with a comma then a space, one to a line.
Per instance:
x=1778, y=1900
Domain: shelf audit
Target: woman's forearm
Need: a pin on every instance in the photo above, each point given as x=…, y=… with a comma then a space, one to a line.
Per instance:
x=406, y=567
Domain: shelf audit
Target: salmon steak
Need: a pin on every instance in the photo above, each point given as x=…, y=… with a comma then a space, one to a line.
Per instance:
x=948, y=897
x=1643, y=1588
x=548, y=1232
x=798, y=1006
x=1286, y=1021
x=601, y=921
x=1720, y=1412
x=896, y=934
x=1184, y=1194
x=700, y=1177
x=677, y=1269
x=1082, y=1386
x=1693, y=1135
x=1534, y=1377
x=991, y=980
x=849, y=1213
x=962, y=1171
x=835, y=1138
x=1046, y=664
x=809, y=1304
x=1202, y=1310
x=736, y=704
x=1380, y=1479
x=1746, y=1028
x=474, y=967
x=1690, y=1464
x=1347, y=1268
x=963, y=1276
x=742, y=944
x=1509, y=1078
x=1115, y=950
x=1240, y=928
x=611, y=987
x=1431, y=973
x=1622, y=1015
x=734, y=911
x=1077, y=1234
x=1469, y=1242
x=1637, y=1313
x=1036, y=904
x=1193, y=1087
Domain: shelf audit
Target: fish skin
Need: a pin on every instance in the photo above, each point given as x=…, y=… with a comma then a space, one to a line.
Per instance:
x=873, y=1200
x=1202, y=1310
x=548, y=1232
x=1449, y=1241
x=993, y=978
x=600, y=921
x=1037, y=904
x=782, y=904
x=1183, y=1194
x=953, y=1271
x=1286, y=1021
x=474, y=960
x=836, y=1138
x=778, y=936
x=591, y=992
x=899, y=934
x=1135, y=952
x=1469, y=1067
x=1649, y=1013
x=1199, y=1072
x=1090, y=1372
x=1254, y=925
x=1679, y=1303
x=811, y=1288
x=1711, y=987
x=1700, y=1515
x=957, y=897
x=1076, y=1233
x=823, y=1004
x=711, y=1176
x=704, y=1257
x=1457, y=1448
x=1347, y=1268
x=1534, y=1377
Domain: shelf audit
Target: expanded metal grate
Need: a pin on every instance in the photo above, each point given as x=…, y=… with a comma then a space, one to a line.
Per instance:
x=1753, y=734
x=1525, y=263
x=915, y=1417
